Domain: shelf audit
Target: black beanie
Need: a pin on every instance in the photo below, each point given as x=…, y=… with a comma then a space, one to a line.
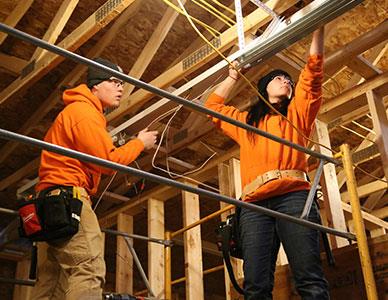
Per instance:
x=263, y=82
x=96, y=76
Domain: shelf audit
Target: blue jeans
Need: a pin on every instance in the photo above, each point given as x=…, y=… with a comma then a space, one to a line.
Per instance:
x=261, y=236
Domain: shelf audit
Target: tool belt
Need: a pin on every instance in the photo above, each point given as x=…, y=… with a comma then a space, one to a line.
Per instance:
x=271, y=175
x=52, y=214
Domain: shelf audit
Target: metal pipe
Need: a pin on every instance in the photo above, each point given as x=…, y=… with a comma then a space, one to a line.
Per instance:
x=208, y=271
x=313, y=189
x=139, y=237
x=8, y=211
x=362, y=242
x=139, y=266
x=8, y=135
x=167, y=268
x=18, y=281
x=320, y=14
x=140, y=84
x=203, y=220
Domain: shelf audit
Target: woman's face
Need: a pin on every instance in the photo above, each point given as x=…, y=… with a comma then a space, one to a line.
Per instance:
x=278, y=88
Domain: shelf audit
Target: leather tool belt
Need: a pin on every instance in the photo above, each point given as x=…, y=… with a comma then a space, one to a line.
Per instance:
x=271, y=175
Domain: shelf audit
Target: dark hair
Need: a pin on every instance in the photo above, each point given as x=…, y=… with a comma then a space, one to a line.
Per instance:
x=259, y=110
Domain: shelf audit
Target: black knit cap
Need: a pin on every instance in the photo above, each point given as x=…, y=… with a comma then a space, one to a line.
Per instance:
x=264, y=81
x=96, y=76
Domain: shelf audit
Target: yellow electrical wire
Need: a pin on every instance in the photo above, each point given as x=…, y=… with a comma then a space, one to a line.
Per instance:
x=261, y=96
x=212, y=13
x=248, y=81
x=212, y=31
x=224, y=7
x=216, y=11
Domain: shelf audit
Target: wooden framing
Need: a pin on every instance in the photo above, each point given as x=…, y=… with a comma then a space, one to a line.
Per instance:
x=155, y=212
x=69, y=80
x=330, y=188
x=229, y=180
x=22, y=292
x=28, y=170
x=380, y=125
x=124, y=260
x=371, y=91
x=192, y=247
x=12, y=64
x=175, y=73
x=38, y=69
x=57, y=24
x=151, y=47
x=19, y=11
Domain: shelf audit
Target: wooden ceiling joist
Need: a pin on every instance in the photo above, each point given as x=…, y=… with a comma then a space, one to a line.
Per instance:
x=98, y=20
x=363, y=67
x=151, y=47
x=358, y=91
x=70, y=80
x=357, y=46
x=12, y=63
x=57, y=24
x=19, y=11
x=180, y=70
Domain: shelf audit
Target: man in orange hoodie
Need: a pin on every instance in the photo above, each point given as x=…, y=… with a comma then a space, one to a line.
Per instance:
x=74, y=268
x=274, y=176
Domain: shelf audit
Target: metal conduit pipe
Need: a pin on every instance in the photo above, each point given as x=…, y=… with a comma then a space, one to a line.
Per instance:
x=140, y=84
x=139, y=237
x=8, y=135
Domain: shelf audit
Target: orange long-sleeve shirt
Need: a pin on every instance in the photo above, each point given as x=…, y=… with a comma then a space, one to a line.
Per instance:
x=81, y=126
x=265, y=155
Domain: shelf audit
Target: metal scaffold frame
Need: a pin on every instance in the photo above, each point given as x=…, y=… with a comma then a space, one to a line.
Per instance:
x=327, y=11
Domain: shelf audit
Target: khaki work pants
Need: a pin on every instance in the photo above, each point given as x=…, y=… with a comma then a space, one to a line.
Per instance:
x=73, y=269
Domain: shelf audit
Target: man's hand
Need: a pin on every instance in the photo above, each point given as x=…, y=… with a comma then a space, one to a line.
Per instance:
x=148, y=138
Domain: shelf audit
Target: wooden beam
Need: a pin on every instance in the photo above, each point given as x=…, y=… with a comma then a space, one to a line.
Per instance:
x=353, y=93
x=57, y=24
x=229, y=179
x=380, y=126
x=27, y=170
x=199, y=42
x=124, y=260
x=162, y=192
x=12, y=63
x=330, y=188
x=36, y=70
x=192, y=247
x=353, y=110
x=363, y=67
x=366, y=190
x=365, y=144
x=381, y=213
x=22, y=292
x=371, y=221
x=156, y=251
x=335, y=61
x=69, y=80
x=151, y=47
x=19, y=11
x=198, y=59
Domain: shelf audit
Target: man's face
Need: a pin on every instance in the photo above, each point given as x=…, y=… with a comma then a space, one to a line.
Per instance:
x=278, y=88
x=109, y=92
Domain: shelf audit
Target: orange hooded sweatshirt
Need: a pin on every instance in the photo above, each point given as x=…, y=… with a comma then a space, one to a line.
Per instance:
x=81, y=126
x=265, y=155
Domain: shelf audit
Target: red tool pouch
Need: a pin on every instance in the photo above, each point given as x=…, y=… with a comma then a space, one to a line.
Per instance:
x=29, y=218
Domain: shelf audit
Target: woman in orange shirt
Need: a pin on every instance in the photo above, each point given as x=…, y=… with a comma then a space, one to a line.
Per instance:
x=274, y=176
